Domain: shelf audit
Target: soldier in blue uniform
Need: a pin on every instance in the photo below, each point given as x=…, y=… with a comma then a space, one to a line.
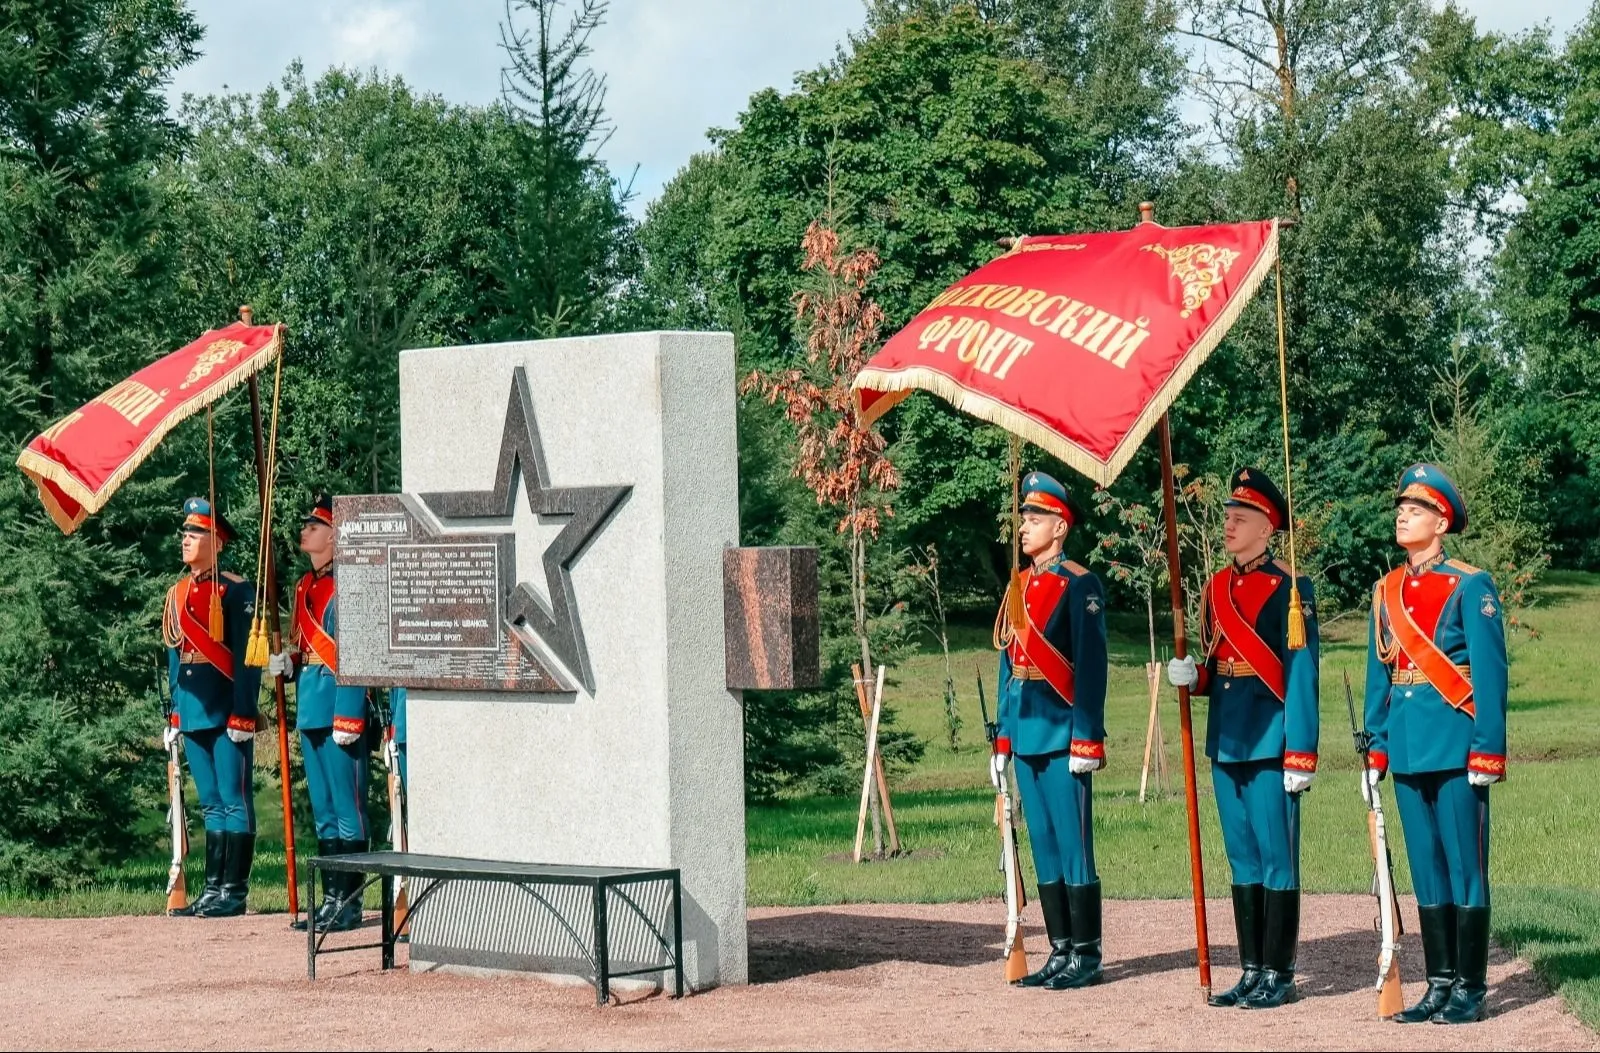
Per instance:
x=331, y=720
x=1436, y=708
x=1261, y=735
x=206, y=627
x=1051, y=634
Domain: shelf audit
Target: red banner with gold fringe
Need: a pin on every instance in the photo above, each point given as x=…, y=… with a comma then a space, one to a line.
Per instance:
x=1078, y=342
x=79, y=461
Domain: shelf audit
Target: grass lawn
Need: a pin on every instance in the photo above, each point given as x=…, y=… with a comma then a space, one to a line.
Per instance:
x=1545, y=858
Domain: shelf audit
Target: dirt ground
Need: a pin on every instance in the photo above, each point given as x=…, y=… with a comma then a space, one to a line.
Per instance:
x=870, y=977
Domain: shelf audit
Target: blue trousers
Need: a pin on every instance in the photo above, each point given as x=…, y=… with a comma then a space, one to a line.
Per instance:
x=336, y=779
x=400, y=754
x=1260, y=823
x=1446, y=821
x=1059, y=808
x=222, y=770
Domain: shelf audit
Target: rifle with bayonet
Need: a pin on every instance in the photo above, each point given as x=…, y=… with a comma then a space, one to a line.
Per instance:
x=1390, y=999
x=177, y=820
x=1015, y=954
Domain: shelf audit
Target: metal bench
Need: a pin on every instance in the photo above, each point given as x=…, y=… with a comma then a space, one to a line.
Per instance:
x=440, y=871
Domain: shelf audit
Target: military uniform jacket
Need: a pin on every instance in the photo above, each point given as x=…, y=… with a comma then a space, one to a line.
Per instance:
x=1263, y=695
x=1437, y=671
x=211, y=685
x=319, y=700
x=1053, y=670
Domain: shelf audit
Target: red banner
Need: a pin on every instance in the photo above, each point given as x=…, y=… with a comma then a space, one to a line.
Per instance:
x=1078, y=342
x=80, y=460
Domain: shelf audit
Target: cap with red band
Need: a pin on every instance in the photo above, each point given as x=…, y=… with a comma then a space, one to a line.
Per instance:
x=1428, y=485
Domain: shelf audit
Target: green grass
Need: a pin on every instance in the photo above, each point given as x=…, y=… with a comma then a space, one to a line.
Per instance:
x=1545, y=860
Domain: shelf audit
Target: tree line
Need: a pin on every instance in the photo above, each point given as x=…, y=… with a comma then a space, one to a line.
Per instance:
x=1442, y=281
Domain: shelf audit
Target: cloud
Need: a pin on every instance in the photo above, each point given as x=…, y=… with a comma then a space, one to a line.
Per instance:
x=375, y=34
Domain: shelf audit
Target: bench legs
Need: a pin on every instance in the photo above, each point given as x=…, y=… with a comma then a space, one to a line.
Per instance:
x=388, y=922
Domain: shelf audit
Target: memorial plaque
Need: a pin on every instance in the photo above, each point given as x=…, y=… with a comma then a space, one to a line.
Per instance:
x=420, y=608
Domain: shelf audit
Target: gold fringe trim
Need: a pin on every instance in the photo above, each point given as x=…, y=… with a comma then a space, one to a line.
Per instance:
x=38, y=467
x=897, y=384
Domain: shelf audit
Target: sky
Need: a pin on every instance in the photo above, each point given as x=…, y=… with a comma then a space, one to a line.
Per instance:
x=673, y=68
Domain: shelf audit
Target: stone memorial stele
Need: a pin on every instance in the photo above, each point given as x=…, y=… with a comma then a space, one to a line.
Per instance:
x=559, y=586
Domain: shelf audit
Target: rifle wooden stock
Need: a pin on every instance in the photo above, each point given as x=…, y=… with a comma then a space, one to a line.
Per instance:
x=177, y=893
x=1391, y=999
x=1016, y=962
x=397, y=823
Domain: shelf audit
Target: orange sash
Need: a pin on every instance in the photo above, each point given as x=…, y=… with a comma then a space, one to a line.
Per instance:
x=310, y=630
x=1441, y=672
x=197, y=637
x=1263, y=659
x=1042, y=655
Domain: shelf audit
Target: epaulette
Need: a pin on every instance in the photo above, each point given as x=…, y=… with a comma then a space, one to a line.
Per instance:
x=231, y=576
x=1463, y=566
x=1076, y=570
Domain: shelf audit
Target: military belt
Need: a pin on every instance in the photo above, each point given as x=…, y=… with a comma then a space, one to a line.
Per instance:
x=311, y=658
x=192, y=658
x=1416, y=676
x=1233, y=668
x=1027, y=672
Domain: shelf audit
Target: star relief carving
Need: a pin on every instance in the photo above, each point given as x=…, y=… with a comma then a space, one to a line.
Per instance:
x=587, y=508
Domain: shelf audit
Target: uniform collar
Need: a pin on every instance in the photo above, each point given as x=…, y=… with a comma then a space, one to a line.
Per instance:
x=1050, y=564
x=1426, y=565
x=324, y=572
x=1255, y=564
x=209, y=574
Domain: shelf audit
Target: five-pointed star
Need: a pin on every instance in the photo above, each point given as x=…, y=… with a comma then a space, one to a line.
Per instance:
x=589, y=507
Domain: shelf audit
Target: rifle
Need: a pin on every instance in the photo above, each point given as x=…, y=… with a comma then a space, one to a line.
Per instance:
x=1390, y=1000
x=177, y=820
x=397, y=810
x=1014, y=952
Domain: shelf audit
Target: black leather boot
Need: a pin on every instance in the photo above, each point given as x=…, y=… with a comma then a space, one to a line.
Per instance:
x=330, y=891
x=239, y=855
x=1280, y=939
x=1248, y=903
x=1469, y=997
x=1083, y=907
x=1058, y=927
x=1439, y=958
x=215, y=847
x=348, y=913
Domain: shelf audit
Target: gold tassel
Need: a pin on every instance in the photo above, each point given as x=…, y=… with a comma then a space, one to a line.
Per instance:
x=217, y=622
x=1297, y=620
x=252, y=651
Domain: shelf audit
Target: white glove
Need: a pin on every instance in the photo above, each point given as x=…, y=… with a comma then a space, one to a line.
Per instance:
x=1369, y=780
x=281, y=664
x=997, y=771
x=1084, y=765
x=1482, y=778
x=170, y=737
x=240, y=736
x=1297, y=781
x=346, y=738
x=1182, y=672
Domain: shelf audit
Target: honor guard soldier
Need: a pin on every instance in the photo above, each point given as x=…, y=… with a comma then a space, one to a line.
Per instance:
x=1436, y=709
x=205, y=625
x=1261, y=735
x=331, y=720
x=1051, y=634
